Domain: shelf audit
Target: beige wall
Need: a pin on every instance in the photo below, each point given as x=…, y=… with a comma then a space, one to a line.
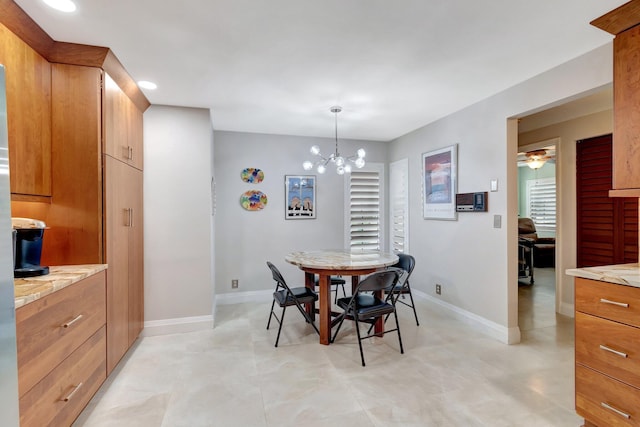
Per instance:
x=568, y=132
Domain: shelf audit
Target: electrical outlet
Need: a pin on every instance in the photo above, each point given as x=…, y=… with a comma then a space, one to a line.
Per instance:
x=438, y=289
x=234, y=283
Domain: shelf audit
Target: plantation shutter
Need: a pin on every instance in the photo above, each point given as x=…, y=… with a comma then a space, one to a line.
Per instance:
x=364, y=210
x=399, y=205
x=542, y=203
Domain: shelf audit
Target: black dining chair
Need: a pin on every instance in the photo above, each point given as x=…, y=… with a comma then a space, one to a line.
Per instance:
x=402, y=287
x=286, y=296
x=335, y=282
x=365, y=307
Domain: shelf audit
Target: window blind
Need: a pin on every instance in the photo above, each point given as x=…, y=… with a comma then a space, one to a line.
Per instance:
x=542, y=203
x=364, y=210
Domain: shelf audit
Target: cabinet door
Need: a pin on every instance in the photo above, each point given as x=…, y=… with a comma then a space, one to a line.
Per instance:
x=75, y=216
x=118, y=219
x=626, y=95
x=123, y=126
x=136, y=256
x=28, y=87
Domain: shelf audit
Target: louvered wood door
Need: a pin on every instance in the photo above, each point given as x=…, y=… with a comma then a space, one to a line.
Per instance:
x=607, y=228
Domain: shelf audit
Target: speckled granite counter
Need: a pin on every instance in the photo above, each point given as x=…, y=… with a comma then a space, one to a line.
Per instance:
x=30, y=289
x=623, y=274
x=341, y=260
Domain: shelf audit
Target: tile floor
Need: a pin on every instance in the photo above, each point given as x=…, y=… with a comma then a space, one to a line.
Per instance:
x=449, y=375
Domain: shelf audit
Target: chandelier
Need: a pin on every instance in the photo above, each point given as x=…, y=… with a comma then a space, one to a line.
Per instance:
x=343, y=164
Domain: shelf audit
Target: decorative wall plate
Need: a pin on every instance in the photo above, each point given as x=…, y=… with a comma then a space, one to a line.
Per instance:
x=253, y=200
x=252, y=175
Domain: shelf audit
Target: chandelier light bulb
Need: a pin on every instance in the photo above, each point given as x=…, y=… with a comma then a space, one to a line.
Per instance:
x=315, y=150
x=321, y=168
x=307, y=165
x=339, y=161
x=347, y=168
x=361, y=153
x=340, y=170
x=359, y=162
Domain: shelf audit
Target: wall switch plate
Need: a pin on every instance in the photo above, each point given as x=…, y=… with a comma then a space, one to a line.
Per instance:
x=494, y=185
x=497, y=221
x=234, y=283
x=438, y=289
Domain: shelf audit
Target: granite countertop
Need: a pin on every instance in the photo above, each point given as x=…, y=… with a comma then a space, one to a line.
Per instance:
x=623, y=274
x=341, y=259
x=29, y=289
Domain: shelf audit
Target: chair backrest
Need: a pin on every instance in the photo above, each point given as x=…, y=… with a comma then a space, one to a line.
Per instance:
x=378, y=281
x=277, y=276
x=526, y=228
x=406, y=262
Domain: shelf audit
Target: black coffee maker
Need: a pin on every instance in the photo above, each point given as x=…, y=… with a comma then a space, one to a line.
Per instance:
x=28, y=247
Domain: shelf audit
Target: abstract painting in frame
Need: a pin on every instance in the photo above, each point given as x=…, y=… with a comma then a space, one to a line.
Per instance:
x=300, y=196
x=439, y=180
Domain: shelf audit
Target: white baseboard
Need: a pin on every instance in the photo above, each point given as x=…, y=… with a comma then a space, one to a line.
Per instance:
x=567, y=309
x=482, y=325
x=177, y=326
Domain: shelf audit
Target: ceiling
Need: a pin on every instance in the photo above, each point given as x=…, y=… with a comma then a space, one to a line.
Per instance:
x=278, y=66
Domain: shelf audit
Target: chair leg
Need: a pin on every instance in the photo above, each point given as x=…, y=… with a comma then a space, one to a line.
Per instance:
x=271, y=314
x=281, y=322
x=338, y=328
x=355, y=317
x=395, y=313
x=413, y=305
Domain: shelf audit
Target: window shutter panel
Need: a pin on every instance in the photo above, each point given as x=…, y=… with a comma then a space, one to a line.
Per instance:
x=542, y=203
x=399, y=207
x=364, y=202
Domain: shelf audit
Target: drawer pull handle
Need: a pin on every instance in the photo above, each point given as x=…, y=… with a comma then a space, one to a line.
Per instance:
x=617, y=411
x=619, y=304
x=71, y=322
x=619, y=353
x=75, y=390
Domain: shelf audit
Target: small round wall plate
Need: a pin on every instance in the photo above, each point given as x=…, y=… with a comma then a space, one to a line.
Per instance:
x=253, y=200
x=252, y=175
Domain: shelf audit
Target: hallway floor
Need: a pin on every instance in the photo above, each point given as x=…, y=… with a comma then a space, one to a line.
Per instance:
x=450, y=375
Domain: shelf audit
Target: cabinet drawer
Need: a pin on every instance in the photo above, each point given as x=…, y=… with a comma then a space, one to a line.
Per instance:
x=60, y=397
x=608, y=347
x=605, y=401
x=608, y=300
x=51, y=328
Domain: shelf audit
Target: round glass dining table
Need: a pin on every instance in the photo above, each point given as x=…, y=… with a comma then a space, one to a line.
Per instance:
x=327, y=263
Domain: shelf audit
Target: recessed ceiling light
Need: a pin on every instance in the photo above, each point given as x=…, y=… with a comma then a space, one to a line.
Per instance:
x=147, y=85
x=61, y=5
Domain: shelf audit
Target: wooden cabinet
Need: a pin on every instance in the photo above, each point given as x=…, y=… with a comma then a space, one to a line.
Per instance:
x=626, y=95
x=123, y=126
x=28, y=87
x=623, y=22
x=123, y=209
x=96, y=213
x=607, y=355
x=61, y=352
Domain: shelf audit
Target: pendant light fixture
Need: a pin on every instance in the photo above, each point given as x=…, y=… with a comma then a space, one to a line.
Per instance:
x=343, y=164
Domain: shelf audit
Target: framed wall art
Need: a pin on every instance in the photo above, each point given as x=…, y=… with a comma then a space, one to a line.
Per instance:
x=300, y=196
x=439, y=181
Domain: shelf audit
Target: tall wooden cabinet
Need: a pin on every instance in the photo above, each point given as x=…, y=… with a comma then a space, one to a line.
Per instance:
x=125, y=289
x=102, y=192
